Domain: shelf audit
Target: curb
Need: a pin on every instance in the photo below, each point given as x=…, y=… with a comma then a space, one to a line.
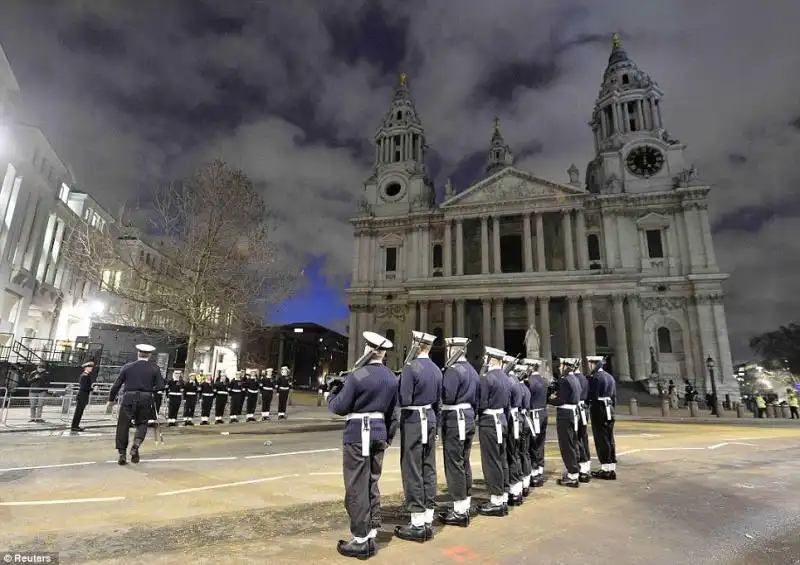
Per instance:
x=310, y=428
x=752, y=422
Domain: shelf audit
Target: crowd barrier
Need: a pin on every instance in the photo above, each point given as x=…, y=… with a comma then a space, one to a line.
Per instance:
x=54, y=404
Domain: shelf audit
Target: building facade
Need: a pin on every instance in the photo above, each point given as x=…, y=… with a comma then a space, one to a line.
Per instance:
x=620, y=263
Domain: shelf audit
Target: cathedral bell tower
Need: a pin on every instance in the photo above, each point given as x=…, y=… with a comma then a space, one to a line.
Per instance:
x=500, y=155
x=633, y=151
x=399, y=182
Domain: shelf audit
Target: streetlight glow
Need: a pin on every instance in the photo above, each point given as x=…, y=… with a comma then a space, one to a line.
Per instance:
x=97, y=307
x=234, y=345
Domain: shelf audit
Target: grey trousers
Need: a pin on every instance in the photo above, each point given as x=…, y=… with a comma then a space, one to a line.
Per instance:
x=457, y=467
x=418, y=466
x=362, y=497
x=37, y=404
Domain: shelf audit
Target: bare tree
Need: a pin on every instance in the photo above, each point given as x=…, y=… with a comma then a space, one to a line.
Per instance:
x=215, y=268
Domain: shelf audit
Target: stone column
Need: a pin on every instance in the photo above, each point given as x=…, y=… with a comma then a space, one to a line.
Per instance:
x=724, y=363
x=486, y=322
x=423, y=317
x=484, y=246
x=583, y=249
x=544, y=331
x=356, y=261
x=447, y=250
x=589, y=345
x=496, y=244
x=569, y=248
x=638, y=345
x=425, y=251
x=460, y=315
x=705, y=318
x=448, y=318
x=499, y=324
x=527, y=243
x=574, y=327
x=622, y=365
x=708, y=243
x=541, y=264
x=530, y=303
x=352, y=337
x=459, y=247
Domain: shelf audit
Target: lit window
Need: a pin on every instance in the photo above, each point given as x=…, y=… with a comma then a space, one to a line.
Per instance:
x=63, y=193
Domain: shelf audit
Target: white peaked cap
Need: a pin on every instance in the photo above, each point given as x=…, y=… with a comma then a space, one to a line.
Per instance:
x=456, y=341
x=377, y=341
x=568, y=360
x=509, y=358
x=595, y=358
x=177, y=372
x=144, y=348
x=424, y=338
x=495, y=353
x=529, y=362
x=284, y=367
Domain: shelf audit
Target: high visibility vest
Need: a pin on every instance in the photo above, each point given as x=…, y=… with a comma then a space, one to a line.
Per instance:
x=760, y=402
x=792, y=400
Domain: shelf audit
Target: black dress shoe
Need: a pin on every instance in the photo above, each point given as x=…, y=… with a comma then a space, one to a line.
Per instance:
x=514, y=500
x=134, y=455
x=358, y=550
x=538, y=481
x=190, y=423
x=412, y=533
x=490, y=509
x=428, y=532
x=525, y=492
x=567, y=482
x=76, y=429
x=122, y=460
x=452, y=518
x=605, y=475
x=584, y=478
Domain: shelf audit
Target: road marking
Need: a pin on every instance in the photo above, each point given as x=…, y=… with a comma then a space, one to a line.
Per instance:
x=225, y=485
x=737, y=485
x=180, y=460
x=325, y=474
x=64, y=501
x=310, y=451
x=673, y=448
x=742, y=443
x=60, y=465
x=751, y=438
x=629, y=452
x=717, y=445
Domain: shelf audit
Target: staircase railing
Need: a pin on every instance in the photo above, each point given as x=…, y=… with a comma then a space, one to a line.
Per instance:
x=25, y=353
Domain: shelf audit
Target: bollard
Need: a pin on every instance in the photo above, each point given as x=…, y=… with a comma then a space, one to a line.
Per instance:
x=319, y=397
x=740, y=411
x=720, y=410
x=634, y=407
x=289, y=400
x=770, y=411
x=694, y=409
x=787, y=413
x=665, y=407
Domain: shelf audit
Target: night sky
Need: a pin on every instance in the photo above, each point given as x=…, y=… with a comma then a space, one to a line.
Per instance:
x=133, y=94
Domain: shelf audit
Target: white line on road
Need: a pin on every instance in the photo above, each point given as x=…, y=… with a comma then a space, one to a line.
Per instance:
x=629, y=452
x=673, y=448
x=310, y=451
x=181, y=460
x=225, y=485
x=60, y=465
x=717, y=445
x=64, y=501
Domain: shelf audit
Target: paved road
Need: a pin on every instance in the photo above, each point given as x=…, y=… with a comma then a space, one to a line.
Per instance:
x=697, y=494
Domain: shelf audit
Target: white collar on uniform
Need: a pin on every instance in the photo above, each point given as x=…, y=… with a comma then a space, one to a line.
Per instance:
x=423, y=355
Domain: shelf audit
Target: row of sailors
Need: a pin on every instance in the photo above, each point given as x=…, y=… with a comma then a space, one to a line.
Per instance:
x=243, y=391
x=506, y=404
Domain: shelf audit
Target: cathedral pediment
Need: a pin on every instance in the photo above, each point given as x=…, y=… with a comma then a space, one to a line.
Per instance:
x=512, y=185
x=653, y=221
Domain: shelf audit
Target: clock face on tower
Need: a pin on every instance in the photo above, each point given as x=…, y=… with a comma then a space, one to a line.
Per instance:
x=645, y=161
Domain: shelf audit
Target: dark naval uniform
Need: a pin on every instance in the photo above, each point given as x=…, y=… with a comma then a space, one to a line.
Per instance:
x=459, y=401
x=567, y=419
x=221, y=392
x=206, y=401
x=493, y=431
x=236, y=390
x=267, y=388
x=140, y=379
x=190, y=390
x=284, y=386
x=174, y=397
x=419, y=396
x=584, y=453
x=251, y=387
x=514, y=481
x=538, y=413
x=526, y=431
x=85, y=384
x=603, y=398
x=368, y=400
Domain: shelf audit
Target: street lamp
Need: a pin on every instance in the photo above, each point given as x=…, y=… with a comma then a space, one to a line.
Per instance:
x=715, y=399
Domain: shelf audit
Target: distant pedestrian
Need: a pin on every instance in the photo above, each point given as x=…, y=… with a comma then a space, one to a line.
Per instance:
x=672, y=391
x=37, y=383
x=761, y=406
x=791, y=400
x=85, y=385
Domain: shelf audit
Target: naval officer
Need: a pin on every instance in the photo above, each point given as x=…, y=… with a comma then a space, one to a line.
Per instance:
x=459, y=402
x=368, y=398
x=603, y=398
x=584, y=453
x=538, y=414
x=567, y=418
x=140, y=378
x=492, y=431
x=521, y=371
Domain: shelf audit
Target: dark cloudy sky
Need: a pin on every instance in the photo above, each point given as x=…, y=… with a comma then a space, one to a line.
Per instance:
x=132, y=93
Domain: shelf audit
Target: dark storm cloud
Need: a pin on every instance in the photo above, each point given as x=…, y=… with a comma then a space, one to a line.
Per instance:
x=133, y=93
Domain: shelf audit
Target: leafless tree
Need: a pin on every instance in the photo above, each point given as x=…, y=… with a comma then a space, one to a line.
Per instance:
x=215, y=266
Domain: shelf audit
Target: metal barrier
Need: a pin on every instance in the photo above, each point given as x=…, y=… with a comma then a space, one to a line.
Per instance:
x=54, y=404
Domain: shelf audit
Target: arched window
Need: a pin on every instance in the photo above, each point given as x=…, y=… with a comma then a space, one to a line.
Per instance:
x=439, y=337
x=600, y=336
x=593, y=243
x=437, y=257
x=664, y=340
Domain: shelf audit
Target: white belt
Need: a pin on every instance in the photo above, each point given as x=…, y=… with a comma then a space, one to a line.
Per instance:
x=533, y=428
x=365, y=427
x=423, y=419
x=191, y=394
x=498, y=425
x=606, y=400
x=268, y=388
x=515, y=421
x=225, y=392
x=208, y=394
x=283, y=388
x=462, y=421
x=582, y=408
x=252, y=391
x=176, y=394
x=574, y=409
x=236, y=390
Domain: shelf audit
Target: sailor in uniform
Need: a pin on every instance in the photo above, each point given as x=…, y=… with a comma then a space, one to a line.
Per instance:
x=252, y=386
x=538, y=414
x=492, y=431
x=603, y=399
x=206, y=399
x=514, y=486
x=526, y=425
x=140, y=378
x=267, y=389
x=567, y=420
x=367, y=398
x=190, y=390
x=419, y=398
x=221, y=398
x=459, y=400
x=236, y=390
x=174, y=397
x=284, y=386
x=584, y=453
